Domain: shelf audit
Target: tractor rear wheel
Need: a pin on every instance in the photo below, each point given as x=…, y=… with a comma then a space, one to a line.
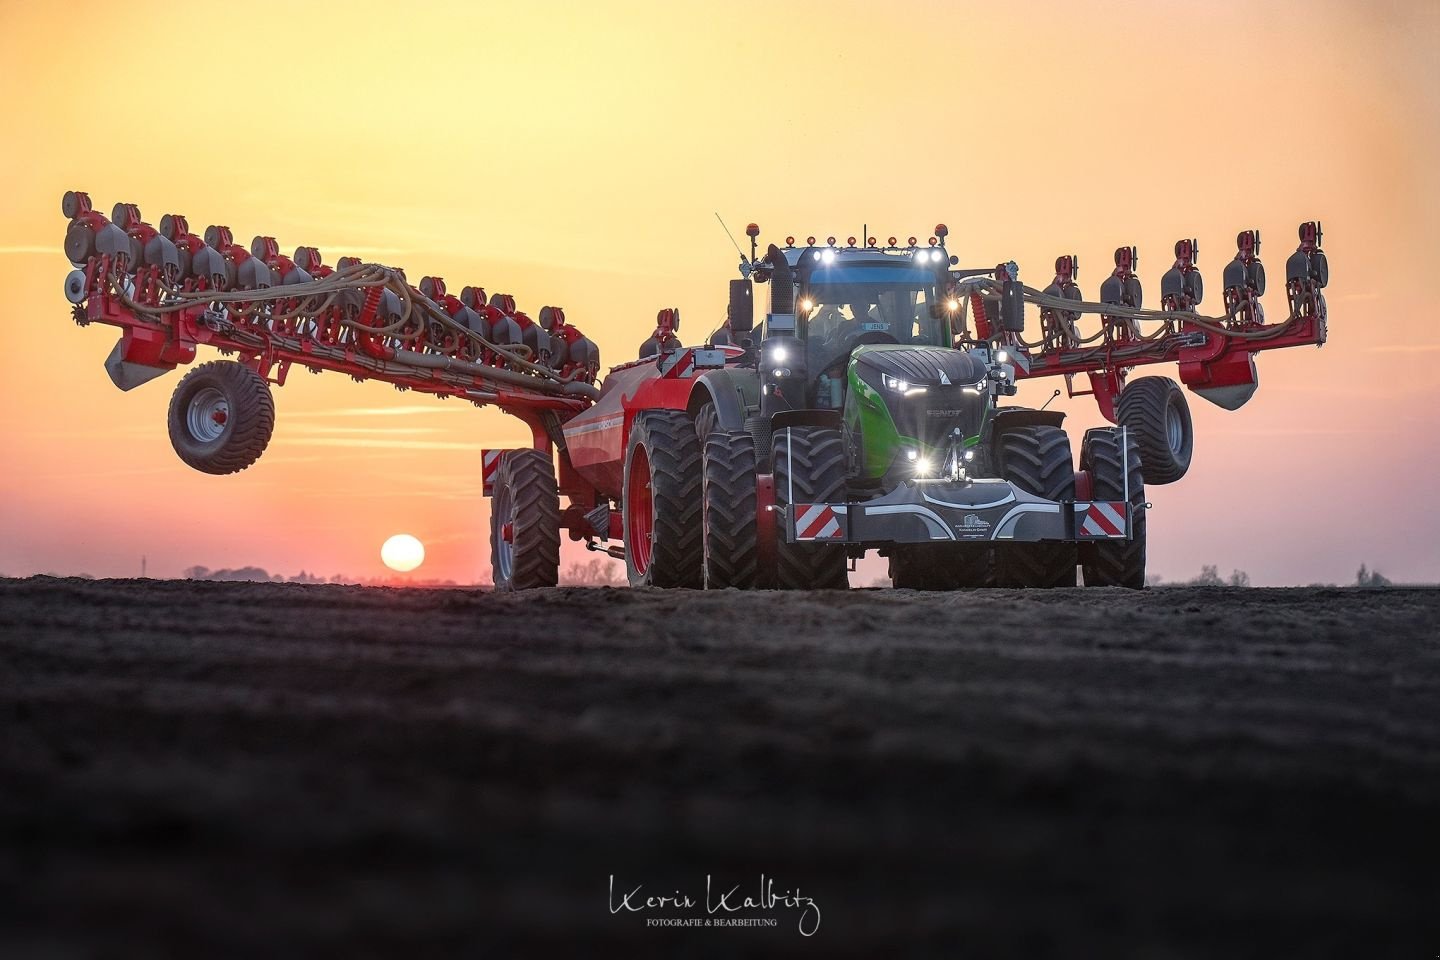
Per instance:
x=729, y=532
x=809, y=467
x=525, y=522
x=1037, y=460
x=662, y=501
x=1114, y=563
x=221, y=417
x=940, y=566
x=1157, y=415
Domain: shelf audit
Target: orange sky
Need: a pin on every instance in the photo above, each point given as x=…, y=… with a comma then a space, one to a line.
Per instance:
x=574, y=154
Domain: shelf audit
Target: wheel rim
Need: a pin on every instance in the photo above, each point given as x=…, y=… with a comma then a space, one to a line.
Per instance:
x=207, y=415
x=504, y=546
x=1174, y=429
x=639, y=512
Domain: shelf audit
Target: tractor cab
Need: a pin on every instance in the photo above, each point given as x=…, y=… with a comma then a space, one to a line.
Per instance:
x=867, y=333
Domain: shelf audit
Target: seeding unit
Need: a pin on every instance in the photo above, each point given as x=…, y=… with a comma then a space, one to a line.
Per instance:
x=865, y=414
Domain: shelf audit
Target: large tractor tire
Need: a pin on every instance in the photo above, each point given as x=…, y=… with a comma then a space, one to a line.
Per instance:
x=1156, y=413
x=1114, y=563
x=221, y=417
x=809, y=466
x=1037, y=460
x=525, y=522
x=730, y=546
x=662, y=501
x=941, y=566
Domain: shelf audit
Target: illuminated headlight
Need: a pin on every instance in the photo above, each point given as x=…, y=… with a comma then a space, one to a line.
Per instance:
x=923, y=467
x=807, y=305
x=1002, y=356
x=969, y=455
x=779, y=372
x=779, y=355
x=827, y=256
x=896, y=384
x=912, y=454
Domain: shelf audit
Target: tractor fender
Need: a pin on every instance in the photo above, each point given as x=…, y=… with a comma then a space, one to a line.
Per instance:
x=1010, y=418
x=724, y=389
x=805, y=418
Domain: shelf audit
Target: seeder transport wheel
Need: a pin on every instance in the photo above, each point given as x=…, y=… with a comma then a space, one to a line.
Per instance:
x=1037, y=460
x=525, y=522
x=221, y=417
x=1157, y=415
x=730, y=538
x=1119, y=563
x=809, y=465
x=662, y=501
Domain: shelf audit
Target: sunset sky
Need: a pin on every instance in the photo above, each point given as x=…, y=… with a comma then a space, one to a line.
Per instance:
x=575, y=154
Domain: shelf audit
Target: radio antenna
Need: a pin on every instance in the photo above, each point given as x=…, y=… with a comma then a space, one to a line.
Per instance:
x=1052, y=397
x=730, y=237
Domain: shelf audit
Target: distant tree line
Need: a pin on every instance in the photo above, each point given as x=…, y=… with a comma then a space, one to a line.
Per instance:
x=261, y=575
x=1210, y=577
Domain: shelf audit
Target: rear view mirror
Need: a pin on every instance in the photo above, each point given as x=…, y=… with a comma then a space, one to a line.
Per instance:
x=741, y=311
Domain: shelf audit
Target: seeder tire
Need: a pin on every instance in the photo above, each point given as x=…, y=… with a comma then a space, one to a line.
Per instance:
x=729, y=533
x=1037, y=460
x=526, y=499
x=1157, y=415
x=1119, y=563
x=221, y=417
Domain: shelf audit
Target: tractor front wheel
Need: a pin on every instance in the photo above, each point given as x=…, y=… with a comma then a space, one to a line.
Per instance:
x=1114, y=563
x=809, y=465
x=221, y=417
x=1037, y=460
x=525, y=522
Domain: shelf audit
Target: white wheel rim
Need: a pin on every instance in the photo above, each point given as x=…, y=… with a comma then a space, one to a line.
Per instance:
x=1174, y=429
x=207, y=415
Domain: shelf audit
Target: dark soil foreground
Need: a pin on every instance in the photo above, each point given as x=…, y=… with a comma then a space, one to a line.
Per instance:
x=207, y=769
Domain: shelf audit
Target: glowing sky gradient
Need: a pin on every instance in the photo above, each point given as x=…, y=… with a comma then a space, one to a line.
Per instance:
x=574, y=154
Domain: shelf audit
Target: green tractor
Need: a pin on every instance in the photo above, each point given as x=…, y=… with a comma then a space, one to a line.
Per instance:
x=872, y=420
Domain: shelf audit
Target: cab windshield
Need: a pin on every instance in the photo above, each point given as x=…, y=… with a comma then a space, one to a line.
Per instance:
x=892, y=303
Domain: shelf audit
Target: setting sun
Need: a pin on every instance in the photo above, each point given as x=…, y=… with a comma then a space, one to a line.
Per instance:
x=402, y=553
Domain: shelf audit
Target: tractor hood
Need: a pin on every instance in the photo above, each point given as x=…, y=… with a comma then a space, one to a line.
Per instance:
x=922, y=366
x=912, y=399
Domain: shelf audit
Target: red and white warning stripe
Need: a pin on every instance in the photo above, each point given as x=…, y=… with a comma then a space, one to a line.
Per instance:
x=817, y=521
x=1104, y=519
x=681, y=366
x=489, y=467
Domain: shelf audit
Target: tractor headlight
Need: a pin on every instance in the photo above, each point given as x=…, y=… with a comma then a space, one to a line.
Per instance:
x=894, y=383
x=923, y=466
x=778, y=354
